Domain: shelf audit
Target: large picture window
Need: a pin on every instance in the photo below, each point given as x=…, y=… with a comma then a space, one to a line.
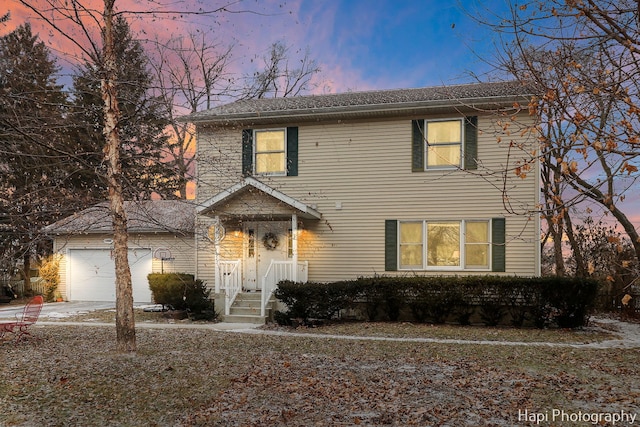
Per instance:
x=444, y=245
x=270, y=152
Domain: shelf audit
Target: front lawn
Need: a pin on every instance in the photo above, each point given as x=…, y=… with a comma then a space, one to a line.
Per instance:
x=200, y=377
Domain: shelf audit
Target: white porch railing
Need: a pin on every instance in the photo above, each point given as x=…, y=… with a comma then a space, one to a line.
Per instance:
x=231, y=278
x=278, y=271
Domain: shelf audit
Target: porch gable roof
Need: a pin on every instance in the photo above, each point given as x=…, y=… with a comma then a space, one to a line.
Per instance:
x=304, y=210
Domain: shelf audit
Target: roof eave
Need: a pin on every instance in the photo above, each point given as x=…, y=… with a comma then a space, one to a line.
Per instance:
x=365, y=111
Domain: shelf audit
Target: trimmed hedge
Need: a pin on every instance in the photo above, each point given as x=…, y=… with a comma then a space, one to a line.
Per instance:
x=540, y=301
x=180, y=291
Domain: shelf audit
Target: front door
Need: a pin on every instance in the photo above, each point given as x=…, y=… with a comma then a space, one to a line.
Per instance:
x=264, y=241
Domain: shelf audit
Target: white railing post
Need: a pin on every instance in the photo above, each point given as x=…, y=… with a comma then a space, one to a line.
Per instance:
x=230, y=274
x=278, y=271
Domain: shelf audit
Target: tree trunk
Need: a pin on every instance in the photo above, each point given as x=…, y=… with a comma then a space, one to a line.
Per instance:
x=581, y=266
x=26, y=269
x=125, y=322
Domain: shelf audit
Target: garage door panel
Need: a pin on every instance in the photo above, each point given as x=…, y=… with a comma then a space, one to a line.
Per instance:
x=92, y=275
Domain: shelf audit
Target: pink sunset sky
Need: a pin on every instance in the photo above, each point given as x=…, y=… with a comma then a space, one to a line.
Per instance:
x=359, y=44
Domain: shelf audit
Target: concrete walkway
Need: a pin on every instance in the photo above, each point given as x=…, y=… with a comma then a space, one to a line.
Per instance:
x=629, y=333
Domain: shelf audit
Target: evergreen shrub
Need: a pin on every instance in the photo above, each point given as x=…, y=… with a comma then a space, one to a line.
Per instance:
x=539, y=301
x=180, y=291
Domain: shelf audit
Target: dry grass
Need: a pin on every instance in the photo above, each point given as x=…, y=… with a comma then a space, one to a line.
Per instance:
x=394, y=329
x=456, y=332
x=72, y=376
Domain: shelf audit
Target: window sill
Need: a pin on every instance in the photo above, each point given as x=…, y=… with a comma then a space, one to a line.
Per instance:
x=445, y=269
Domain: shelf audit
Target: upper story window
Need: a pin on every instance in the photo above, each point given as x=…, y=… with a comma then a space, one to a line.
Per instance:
x=444, y=144
x=270, y=152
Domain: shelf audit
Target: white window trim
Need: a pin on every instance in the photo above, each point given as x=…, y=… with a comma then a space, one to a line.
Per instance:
x=425, y=249
x=425, y=126
x=255, y=152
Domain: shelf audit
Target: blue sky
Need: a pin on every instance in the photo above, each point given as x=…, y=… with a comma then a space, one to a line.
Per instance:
x=388, y=44
x=382, y=44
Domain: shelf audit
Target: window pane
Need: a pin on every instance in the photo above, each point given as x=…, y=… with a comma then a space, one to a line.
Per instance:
x=411, y=256
x=411, y=249
x=272, y=140
x=270, y=163
x=438, y=132
x=477, y=256
x=476, y=244
x=443, y=244
x=443, y=155
x=477, y=232
x=411, y=232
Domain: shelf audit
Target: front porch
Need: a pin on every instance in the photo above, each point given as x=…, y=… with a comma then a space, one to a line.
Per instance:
x=255, y=306
x=253, y=233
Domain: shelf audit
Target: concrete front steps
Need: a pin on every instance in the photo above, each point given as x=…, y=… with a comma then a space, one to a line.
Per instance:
x=246, y=309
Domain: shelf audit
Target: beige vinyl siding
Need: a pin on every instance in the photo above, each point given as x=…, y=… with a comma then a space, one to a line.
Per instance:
x=230, y=251
x=181, y=247
x=358, y=174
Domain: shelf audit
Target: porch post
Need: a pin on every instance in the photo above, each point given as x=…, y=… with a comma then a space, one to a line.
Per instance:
x=216, y=243
x=294, y=246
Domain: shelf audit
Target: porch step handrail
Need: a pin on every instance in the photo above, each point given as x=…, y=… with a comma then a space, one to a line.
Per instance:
x=232, y=283
x=278, y=271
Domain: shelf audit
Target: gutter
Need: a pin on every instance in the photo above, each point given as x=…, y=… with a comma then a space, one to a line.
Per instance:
x=360, y=111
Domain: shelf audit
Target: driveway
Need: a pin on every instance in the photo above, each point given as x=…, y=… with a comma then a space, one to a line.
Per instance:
x=56, y=310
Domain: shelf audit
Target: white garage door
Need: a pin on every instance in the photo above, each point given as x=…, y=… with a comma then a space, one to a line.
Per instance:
x=92, y=275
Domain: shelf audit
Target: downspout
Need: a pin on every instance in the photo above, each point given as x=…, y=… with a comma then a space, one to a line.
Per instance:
x=216, y=243
x=294, y=247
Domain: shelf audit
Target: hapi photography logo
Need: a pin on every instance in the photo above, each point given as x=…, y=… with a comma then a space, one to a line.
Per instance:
x=560, y=415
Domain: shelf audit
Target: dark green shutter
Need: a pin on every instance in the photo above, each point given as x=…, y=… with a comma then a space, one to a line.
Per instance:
x=391, y=245
x=471, y=142
x=417, y=146
x=498, y=248
x=292, y=151
x=247, y=152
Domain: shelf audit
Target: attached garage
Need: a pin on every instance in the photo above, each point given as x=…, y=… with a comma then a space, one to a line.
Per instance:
x=92, y=274
x=161, y=240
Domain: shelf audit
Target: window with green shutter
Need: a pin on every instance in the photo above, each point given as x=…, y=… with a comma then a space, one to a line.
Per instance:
x=270, y=151
x=465, y=245
x=444, y=144
x=391, y=245
x=498, y=245
x=247, y=152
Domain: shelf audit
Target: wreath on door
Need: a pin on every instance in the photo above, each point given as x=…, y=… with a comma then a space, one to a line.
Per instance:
x=270, y=241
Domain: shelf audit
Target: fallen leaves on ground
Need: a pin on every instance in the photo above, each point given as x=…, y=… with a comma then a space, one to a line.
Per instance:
x=73, y=376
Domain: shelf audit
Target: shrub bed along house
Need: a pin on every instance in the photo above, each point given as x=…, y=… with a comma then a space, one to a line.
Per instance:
x=492, y=300
x=180, y=291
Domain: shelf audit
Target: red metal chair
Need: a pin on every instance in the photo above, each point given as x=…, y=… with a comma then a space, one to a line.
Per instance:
x=29, y=315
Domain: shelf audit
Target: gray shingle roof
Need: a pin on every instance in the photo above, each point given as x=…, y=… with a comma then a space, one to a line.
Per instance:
x=173, y=216
x=380, y=102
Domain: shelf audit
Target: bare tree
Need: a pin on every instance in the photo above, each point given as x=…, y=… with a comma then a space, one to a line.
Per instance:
x=125, y=323
x=279, y=78
x=191, y=75
x=86, y=24
x=582, y=58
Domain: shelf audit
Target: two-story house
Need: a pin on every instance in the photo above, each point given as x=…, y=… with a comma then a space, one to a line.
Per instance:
x=393, y=182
